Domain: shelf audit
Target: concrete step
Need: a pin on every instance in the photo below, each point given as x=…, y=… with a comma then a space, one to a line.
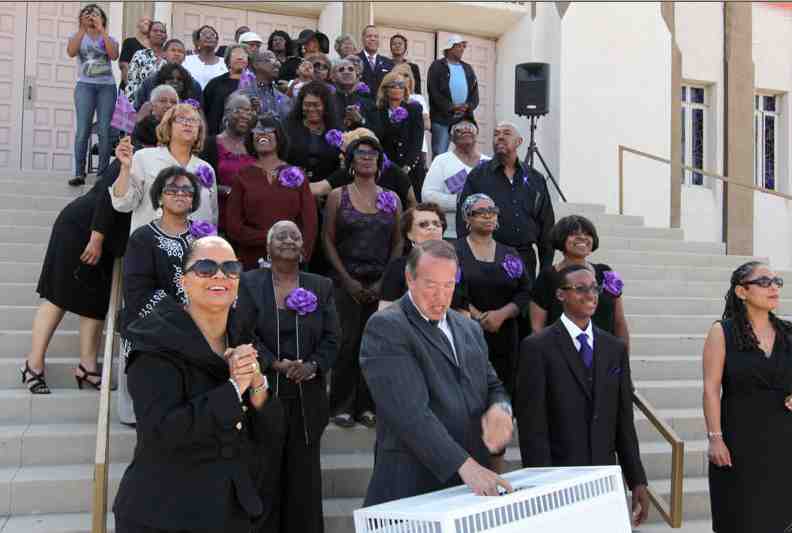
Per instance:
x=688, y=526
x=660, y=274
x=25, y=234
x=63, y=406
x=696, y=501
x=619, y=258
x=661, y=245
x=42, y=177
x=15, y=344
x=15, y=271
x=563, y=209
x=58, y=371
x=29, y=253
x=667, y=288
x=639, y=232
x=650, y=368
x=19, y=294
x=606, y=219
x=20, y=317
x=681, y=324
x=10, y=217
x=59, y=188
x=666, y=344
x=688, y=424
x=671, y=394
x=33, y=202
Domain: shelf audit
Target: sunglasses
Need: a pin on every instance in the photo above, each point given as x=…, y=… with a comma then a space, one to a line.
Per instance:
x=207, y=268
x=348, y=68
x=174, y=190
x=396, y=85
x=486, y=211
x=765, y=282
x=363, y=153
x=426, y=224
x=583, y=290
x=321, y=66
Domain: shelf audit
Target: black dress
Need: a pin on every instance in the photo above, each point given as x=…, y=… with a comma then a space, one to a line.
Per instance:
x=214, y=97
x=65, y=280
x=402, y=141
x=489, y=287
x=544, y=295
x=391, y=178
x=753, y=495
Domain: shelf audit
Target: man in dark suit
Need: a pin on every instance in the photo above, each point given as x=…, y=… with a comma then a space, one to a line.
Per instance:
x=375, y=66
x=573, y=399
x=441, y=409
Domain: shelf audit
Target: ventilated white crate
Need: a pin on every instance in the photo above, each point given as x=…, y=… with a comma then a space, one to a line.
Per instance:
x=546, y=500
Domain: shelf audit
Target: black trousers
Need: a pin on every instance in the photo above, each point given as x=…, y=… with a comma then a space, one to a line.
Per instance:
x=126, y=526
x=349, y=393
x=295, y=487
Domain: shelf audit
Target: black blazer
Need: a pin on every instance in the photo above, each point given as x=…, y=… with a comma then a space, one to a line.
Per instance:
x=402, y=141
x=373, y=78
x=253, y=321
x=429, y=408
x=562, y=420
x=214, y=97
x=368, y=110
x=199, y=454
x=318, y=162
x=440, y=102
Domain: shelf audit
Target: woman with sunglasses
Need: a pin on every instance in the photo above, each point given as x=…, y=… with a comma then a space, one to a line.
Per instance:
x=496, y=283
x=361, y=236
x=267, y=191
x=576, y=237
x=321, y=67
x=400, y=121
x=181, y=134
x=447, y=173
x=205, y=420
x=292, y=316
x=227, y=153
x=748, y=406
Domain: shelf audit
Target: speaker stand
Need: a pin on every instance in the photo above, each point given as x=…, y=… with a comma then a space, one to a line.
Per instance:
x=534, y=149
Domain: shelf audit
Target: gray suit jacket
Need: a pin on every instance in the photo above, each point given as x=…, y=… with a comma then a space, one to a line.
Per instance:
x=428, y=409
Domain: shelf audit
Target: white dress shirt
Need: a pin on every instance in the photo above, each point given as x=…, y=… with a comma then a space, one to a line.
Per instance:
x=442, y=324
x=574, y=331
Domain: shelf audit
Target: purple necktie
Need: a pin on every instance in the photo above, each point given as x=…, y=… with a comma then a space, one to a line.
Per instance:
x=586, y=353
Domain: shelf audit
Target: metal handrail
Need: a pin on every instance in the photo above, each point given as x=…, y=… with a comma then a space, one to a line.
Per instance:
x=720, y=177
x=672, y=513
x=102, y=458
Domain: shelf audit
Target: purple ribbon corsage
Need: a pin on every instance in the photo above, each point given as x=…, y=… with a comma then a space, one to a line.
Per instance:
x=193, y=102
x=334, y=138
x=291, y=177
x=302, y=301
x=362, y=88
x=386, y=163
x=386, y=202
x=205, y=175
x=202, y=228
x=612, y=283
x=513, y=266
x=398, y=115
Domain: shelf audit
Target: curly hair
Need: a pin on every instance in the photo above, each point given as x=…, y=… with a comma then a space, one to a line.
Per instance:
x=320, y=90
x=736, y=312
x=166, y=73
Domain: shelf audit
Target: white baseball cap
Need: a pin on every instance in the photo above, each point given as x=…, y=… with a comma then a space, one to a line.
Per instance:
x=452, y=40
x=250, y=37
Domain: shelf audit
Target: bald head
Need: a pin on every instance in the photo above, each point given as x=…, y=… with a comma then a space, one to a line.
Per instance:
x=506, y=139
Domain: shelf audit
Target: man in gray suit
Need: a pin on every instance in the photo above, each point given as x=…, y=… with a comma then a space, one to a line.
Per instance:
x=441, y=409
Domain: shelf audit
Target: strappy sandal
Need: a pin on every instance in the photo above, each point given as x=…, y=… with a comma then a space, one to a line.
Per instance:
x=35, y=383
x=83, y=380
x=368, y=419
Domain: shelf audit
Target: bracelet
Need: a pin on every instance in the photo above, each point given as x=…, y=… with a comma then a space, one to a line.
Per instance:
x=261, y=388
x=714, y=435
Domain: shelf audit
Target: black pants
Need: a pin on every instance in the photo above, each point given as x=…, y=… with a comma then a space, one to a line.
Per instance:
x=417, y=176
x=349, y=393
x=295, y=488
x=125, y=526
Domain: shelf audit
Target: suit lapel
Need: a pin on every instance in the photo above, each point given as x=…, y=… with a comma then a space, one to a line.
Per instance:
x=601, y=363
x=427, y=330
x=572, y=357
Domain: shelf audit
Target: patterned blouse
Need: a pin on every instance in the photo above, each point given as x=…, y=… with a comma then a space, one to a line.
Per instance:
x=144, y=63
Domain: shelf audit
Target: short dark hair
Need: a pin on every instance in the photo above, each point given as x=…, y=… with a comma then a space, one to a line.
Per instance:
x=197, y=33
x=239, y=31
x=171, y=42
x=165, y=73
x=368, y=27
x=286, y=37
x=281, y=136
x=408, y=216
x=566, y=271
x=437, y=249
x=165, y=175
x=91, y=7
x=399, y=36
x=570, y=225
x=164, y=26
x=320, y=90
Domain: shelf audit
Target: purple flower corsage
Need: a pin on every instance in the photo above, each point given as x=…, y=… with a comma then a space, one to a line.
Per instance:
x=248, y=79
x=205, y=176
x=362, y=88
x=513, y=266
x=193, y=102
x=291, y=177
x=302, y=301
x=386, y=202
x=202, y=228
x=334, y=138
x=386, y=162
x=398, y=115
x=612, y=283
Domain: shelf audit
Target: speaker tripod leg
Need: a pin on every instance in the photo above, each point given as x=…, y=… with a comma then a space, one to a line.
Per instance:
x=535, y=150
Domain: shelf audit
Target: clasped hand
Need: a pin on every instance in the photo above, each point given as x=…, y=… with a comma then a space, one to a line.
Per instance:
x=296, y=371
x=244, y=367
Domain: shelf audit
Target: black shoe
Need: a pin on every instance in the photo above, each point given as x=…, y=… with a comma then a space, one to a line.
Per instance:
x=77, y=181
x=85, y=379
x=368, y=419
x=33, y=381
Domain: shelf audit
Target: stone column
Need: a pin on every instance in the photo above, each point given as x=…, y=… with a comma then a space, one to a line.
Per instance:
x=738, y=142
x=675, y=221
x=357, y=15
x=132, y=13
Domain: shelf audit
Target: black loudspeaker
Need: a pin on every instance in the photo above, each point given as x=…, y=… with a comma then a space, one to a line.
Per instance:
x=531, y=89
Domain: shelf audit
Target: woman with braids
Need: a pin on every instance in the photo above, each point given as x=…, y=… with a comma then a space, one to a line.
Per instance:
x=748, y=358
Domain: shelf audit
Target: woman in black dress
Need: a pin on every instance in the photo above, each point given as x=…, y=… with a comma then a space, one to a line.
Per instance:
x=497, y=284
x=205, y=421
x=576, y=237
x=294, y=318
x=361, y=235
x=401, y=123
x=748, y=407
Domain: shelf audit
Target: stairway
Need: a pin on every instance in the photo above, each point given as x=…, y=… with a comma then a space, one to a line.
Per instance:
x=673, y=291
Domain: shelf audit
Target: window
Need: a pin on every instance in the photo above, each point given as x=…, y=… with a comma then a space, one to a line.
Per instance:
x=694, y=119
x=767, y=110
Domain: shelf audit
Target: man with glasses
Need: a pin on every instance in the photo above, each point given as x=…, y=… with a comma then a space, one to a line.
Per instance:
x=354, y=106
x=573, y=398
x=264, y=94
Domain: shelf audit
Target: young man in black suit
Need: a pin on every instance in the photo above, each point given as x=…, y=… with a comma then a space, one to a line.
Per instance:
x=573, y=400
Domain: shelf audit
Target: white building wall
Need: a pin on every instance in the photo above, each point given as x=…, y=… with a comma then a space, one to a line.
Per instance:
x=513, y=47
x=330, y=23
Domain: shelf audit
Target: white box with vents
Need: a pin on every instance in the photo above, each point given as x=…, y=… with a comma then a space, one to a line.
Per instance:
x=546, y=500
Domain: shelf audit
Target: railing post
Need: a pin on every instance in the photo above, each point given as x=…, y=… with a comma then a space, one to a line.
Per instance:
x=621, y=179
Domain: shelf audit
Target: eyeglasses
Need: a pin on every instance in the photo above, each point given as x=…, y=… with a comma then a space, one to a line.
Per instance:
x=321, y=66
x=583, y=290
x=364, y=153
x=187, y=121
x=242, y=111
x=264, y=131
x=174, y=190
x=207, y=268
x=426, y=224
x=397, y=84
x=208, y=34
x=765, y=282
x=486, y=211
x=347, y=68
x=463, y=128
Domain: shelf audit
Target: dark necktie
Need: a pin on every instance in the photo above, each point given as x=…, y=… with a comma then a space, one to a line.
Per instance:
x=446, y=340
x=586, y=353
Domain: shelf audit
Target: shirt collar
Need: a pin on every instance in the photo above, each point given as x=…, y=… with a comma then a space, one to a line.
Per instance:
x=497, y=165
x=574, y=330
x=445, y=315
